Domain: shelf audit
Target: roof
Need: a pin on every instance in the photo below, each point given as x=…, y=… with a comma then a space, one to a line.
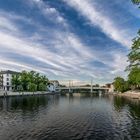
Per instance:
x=52, y=81
x=9, y=72
x=109, y=83
x=50, y=84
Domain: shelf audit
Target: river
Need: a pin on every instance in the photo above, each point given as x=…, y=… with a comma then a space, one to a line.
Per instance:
x=64, y=117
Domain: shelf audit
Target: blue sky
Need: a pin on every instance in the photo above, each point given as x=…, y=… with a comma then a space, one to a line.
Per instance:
x=68, y=39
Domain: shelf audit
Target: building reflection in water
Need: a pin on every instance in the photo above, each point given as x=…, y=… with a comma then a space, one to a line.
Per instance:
x=27, y=103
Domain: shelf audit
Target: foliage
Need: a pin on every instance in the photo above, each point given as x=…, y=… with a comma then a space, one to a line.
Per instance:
x=32, y=87
x=136, y=1
x=16, y=81
x=29, y=81
x=126, y=86
x=25, y=80
x=42, y=87
x=134, y=58
x=134, y=55
x=97, y=85
x=134, y=77
x=87, y=85
x=120, y=84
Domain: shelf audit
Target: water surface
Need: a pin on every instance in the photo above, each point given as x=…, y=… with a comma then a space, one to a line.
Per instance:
x=77, y=117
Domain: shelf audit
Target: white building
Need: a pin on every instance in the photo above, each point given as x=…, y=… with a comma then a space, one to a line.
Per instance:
x=111, y=87
x=6, y=80
x=53, y=85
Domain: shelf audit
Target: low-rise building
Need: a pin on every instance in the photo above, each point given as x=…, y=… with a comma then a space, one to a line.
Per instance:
x=6, y=80
x=53, y=84
x=110, y=86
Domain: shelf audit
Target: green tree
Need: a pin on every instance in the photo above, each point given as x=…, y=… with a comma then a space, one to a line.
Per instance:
x=42, y=87
x=27, y=80
x=97, y=85
x=134, y=77
x=31, y=76
x=134, y=59
x=136, y=1
x=37, y=80
x=134, y=55
x=120, y=84
x=126, y=86
x=16, y=81
x=44, y=80
x=32, y=87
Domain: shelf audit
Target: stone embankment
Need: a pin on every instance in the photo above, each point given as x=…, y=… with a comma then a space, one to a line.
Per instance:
x=10, y=93
x=131, y=94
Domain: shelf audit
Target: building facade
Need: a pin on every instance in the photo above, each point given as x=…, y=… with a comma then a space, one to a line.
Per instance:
x=53, y=84
x=6, y=80
x=111, y=87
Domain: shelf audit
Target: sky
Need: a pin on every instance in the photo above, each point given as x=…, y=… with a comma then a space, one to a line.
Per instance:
x=75, y=40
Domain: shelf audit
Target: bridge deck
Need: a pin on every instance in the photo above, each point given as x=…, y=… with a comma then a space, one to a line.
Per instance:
x=64, y=88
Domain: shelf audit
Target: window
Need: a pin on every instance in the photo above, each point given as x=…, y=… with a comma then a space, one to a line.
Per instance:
x=7, y=83
x=7, y=79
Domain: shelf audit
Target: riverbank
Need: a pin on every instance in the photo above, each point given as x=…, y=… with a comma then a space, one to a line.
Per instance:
x=130, y=94
x=10, y=93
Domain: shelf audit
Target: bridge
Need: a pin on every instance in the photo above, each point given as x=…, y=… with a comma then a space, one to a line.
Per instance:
x=79, y=88
x=84, y=86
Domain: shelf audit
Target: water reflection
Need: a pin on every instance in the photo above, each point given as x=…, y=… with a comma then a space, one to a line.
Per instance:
x=132, y=104
x=68, y=117
x=26, y=103
x=119, y=103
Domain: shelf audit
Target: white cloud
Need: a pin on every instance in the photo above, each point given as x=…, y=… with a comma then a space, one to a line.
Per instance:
x=119, y=64
x=36, y=51
x=49, y=11
x=7, y=62
x=69, y=57
x=7, y=24
x=97, y=18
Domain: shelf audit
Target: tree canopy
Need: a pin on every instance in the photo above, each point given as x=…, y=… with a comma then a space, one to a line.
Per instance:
x=29, y=81
x=134, y=55
x=134, y=77
x=120, y=84
x=136, y=1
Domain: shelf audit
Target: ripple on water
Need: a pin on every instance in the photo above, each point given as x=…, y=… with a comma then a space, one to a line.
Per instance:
x=70, y=119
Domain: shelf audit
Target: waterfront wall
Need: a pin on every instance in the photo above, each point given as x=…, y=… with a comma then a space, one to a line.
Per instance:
x=130, y=94
x=10, y=93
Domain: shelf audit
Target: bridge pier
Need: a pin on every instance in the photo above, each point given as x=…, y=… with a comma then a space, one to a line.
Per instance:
x=70, y=90
x=91, y=86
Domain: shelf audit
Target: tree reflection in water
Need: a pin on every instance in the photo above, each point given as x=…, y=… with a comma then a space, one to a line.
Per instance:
x=133, y=105
x=25, y=103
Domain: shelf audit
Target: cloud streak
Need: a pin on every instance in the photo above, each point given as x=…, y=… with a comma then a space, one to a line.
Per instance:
x=49, y=46
x=97, y=18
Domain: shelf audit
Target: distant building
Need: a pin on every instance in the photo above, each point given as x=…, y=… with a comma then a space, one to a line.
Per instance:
x=53, y=84
x=6, y=80
x=110, y=86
